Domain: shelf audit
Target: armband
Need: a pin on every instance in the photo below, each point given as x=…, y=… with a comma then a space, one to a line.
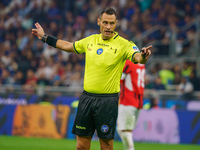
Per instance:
x=50, y=40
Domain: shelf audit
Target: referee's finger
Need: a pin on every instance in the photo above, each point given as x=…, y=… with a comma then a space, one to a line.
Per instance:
x=39, y=25
x=150, y=46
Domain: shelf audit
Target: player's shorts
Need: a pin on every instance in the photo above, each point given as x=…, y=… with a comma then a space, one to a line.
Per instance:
x=127, y=117
x=96, y=112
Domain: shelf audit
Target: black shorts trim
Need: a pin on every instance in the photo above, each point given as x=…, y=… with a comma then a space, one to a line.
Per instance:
x=101, y=95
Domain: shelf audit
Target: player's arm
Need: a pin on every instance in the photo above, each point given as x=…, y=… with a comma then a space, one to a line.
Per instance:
x=143, y=56
x=52, y=41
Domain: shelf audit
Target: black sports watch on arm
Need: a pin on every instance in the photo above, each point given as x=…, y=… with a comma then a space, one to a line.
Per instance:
x=44, y=38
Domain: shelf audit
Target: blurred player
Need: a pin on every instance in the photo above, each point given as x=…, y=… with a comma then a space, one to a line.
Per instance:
x=105, y=56
x=131, y=101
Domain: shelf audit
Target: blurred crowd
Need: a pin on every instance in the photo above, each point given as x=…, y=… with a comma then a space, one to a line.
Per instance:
x=25, y=60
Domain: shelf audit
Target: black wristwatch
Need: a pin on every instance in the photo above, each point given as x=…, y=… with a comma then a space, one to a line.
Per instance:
x=143, y=55
x=44, y=38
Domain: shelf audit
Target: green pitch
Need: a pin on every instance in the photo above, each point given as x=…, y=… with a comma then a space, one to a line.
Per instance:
x=21, y=143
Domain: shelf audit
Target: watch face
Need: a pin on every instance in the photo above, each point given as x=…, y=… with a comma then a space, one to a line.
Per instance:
x=44, y=37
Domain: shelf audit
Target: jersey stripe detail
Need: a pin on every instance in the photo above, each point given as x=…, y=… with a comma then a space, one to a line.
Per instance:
x=139, y=98
x=75, y=48
x=128, y=83
x=116, y=36
x=123, y=76
x=125, y=68
x=122, y=92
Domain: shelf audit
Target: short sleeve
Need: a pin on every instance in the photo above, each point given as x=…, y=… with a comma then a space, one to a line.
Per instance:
x=80, y=46
x=131, y=50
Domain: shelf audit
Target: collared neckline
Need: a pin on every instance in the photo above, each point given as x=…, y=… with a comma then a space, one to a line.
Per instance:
x=114, y=37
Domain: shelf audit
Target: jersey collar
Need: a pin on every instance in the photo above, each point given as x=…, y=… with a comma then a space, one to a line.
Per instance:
x=114, y=37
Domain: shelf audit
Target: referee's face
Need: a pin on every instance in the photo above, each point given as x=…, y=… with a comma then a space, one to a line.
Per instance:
x=107, y=25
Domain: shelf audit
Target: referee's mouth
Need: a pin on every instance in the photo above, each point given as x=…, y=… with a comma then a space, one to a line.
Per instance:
x=108, y=32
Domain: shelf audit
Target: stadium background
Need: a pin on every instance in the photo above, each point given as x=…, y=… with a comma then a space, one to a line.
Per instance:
x=33, y=75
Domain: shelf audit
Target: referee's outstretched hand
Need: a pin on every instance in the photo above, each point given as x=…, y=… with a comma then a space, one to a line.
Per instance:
x=39, y=32
x=145, y=52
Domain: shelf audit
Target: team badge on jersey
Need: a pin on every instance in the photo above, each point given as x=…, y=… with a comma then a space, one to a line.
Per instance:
x=135, y=48
x=99, y=51
x=104, y=128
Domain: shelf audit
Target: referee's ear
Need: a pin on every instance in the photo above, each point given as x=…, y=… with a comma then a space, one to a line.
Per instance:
x=98, y=21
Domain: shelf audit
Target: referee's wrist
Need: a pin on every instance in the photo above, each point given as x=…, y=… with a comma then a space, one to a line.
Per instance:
x=44, y=38
x=143, y=56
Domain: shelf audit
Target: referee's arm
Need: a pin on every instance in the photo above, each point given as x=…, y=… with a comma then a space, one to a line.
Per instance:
x=65, y=46
x=52, y=41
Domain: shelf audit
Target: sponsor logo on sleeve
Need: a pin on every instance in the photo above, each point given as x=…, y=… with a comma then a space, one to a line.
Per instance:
x=135, y=48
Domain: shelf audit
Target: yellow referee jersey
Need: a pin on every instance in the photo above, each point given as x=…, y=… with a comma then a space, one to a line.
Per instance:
x=104, y=61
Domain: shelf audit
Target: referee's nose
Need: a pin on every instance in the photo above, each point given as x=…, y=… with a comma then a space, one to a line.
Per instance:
x=108, y=26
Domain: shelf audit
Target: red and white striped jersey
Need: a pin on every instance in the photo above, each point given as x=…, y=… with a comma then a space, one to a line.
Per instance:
x=132, y=84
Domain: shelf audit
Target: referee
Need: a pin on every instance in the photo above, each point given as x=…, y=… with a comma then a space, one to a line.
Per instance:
x=105, y=56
